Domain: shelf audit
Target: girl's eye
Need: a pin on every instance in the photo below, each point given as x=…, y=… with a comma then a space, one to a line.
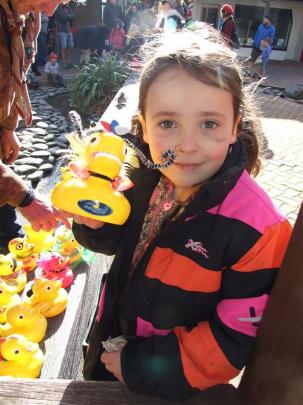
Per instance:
x=167, y=124
x=209, y=125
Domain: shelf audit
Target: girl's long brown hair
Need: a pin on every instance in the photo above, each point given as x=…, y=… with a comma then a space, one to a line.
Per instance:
x=204, y=55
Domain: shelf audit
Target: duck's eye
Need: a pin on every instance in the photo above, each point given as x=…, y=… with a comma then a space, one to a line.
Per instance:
x=1, y=291
x=21, y=316
x=61, y=261
x=11, y=266
x=19, y=246
x=94, y=140
x=16, y=351
x=48, y=288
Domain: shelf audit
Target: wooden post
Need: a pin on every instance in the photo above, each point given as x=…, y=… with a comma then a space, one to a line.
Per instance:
x=274, y=375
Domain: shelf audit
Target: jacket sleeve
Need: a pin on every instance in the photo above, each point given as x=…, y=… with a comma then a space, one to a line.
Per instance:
x=273, y=34
x=103, y=240
x=187, y=360
x=12, y=188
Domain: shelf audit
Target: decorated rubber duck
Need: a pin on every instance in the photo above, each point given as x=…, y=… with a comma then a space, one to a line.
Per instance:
x=20, y=358
x=42, y=241
x=54, y=266
x=100, y=174
x=24, y=319
x=23, y=251
x=48, y=297
x=8, y=298
x=67, y=245
x=11, y=272
x=93, y=190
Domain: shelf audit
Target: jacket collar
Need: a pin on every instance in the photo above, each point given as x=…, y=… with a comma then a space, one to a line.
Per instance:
x=212, y=193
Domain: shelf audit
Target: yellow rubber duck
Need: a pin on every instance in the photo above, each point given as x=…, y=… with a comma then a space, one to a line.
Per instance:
x=42, y=241
x=24, y=319
x=11, y=272
x=20, y=357
x=92, y=190
x=67, y=245
x=23, y=251
x=8, y=298
x=48, y=297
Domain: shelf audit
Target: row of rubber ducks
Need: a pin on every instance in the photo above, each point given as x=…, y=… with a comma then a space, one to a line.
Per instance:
x=23, y=320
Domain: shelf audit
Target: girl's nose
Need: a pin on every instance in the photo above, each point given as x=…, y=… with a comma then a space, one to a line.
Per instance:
x=188, y=142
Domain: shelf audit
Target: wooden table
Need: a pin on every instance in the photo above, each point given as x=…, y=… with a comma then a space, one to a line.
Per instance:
x=65, y=392
x=66, y=332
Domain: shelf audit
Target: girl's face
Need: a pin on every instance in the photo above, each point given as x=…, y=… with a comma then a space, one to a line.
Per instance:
x=192, y=118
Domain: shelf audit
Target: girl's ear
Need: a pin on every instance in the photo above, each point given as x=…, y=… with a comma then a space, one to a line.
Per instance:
x=235, y=128
x=143, y=126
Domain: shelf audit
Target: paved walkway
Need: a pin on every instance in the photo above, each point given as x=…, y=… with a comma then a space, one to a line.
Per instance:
x=282, y=176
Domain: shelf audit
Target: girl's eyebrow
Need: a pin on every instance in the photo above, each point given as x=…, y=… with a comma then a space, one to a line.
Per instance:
x=164, y=114
x=206, y=114
x=212, y=114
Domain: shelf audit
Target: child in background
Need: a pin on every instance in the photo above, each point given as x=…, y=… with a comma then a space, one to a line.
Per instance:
x=196, y=261
x=266, y=51
x=117, y=36
x=52, y=71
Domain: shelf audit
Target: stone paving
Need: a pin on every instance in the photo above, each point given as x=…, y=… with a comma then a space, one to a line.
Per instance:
x=282, y=176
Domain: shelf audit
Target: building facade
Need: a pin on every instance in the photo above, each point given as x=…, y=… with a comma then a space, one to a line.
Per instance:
x=286, y=16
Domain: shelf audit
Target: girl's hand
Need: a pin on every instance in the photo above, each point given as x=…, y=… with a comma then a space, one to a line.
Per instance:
x=90, y=223
x=112, y=362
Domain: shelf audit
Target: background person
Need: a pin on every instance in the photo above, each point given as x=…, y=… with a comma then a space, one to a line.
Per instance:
x=42, y=53
x=131, y=13
x=169, y=19
x=265, y=55
x=265, y=30
x=91, y=38
x=14, y=100
x=64, y=20
x=117, y=36
x=198, y=256
x=228, y=28
x=112, y=12
x=52, y=70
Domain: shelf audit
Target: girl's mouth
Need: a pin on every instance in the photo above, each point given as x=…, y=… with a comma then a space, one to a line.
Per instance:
x=185, y=166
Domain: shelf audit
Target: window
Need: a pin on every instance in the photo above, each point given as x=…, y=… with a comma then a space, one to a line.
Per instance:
x=248, y=18
x=210, y=15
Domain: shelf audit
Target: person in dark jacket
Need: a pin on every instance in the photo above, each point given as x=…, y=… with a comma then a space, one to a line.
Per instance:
x=197, y=258
x=112, y=12
x=90, y=38
x=16, y=58
x=265, y=30
x=228, y=29
x=130, y=15
x=64, y=21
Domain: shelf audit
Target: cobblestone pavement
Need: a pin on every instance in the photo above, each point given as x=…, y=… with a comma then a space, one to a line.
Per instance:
x=282, y=176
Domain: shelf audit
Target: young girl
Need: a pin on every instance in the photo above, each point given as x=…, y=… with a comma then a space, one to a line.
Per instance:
x=196, y=261
x=266, y=51
x=117, y=36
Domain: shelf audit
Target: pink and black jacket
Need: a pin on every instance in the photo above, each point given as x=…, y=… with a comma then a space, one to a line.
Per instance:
x=191, y=309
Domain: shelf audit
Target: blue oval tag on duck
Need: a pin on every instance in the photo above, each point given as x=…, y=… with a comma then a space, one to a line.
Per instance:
x=95, y=207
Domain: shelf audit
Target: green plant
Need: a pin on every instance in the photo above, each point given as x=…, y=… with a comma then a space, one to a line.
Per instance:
x=98, y=82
